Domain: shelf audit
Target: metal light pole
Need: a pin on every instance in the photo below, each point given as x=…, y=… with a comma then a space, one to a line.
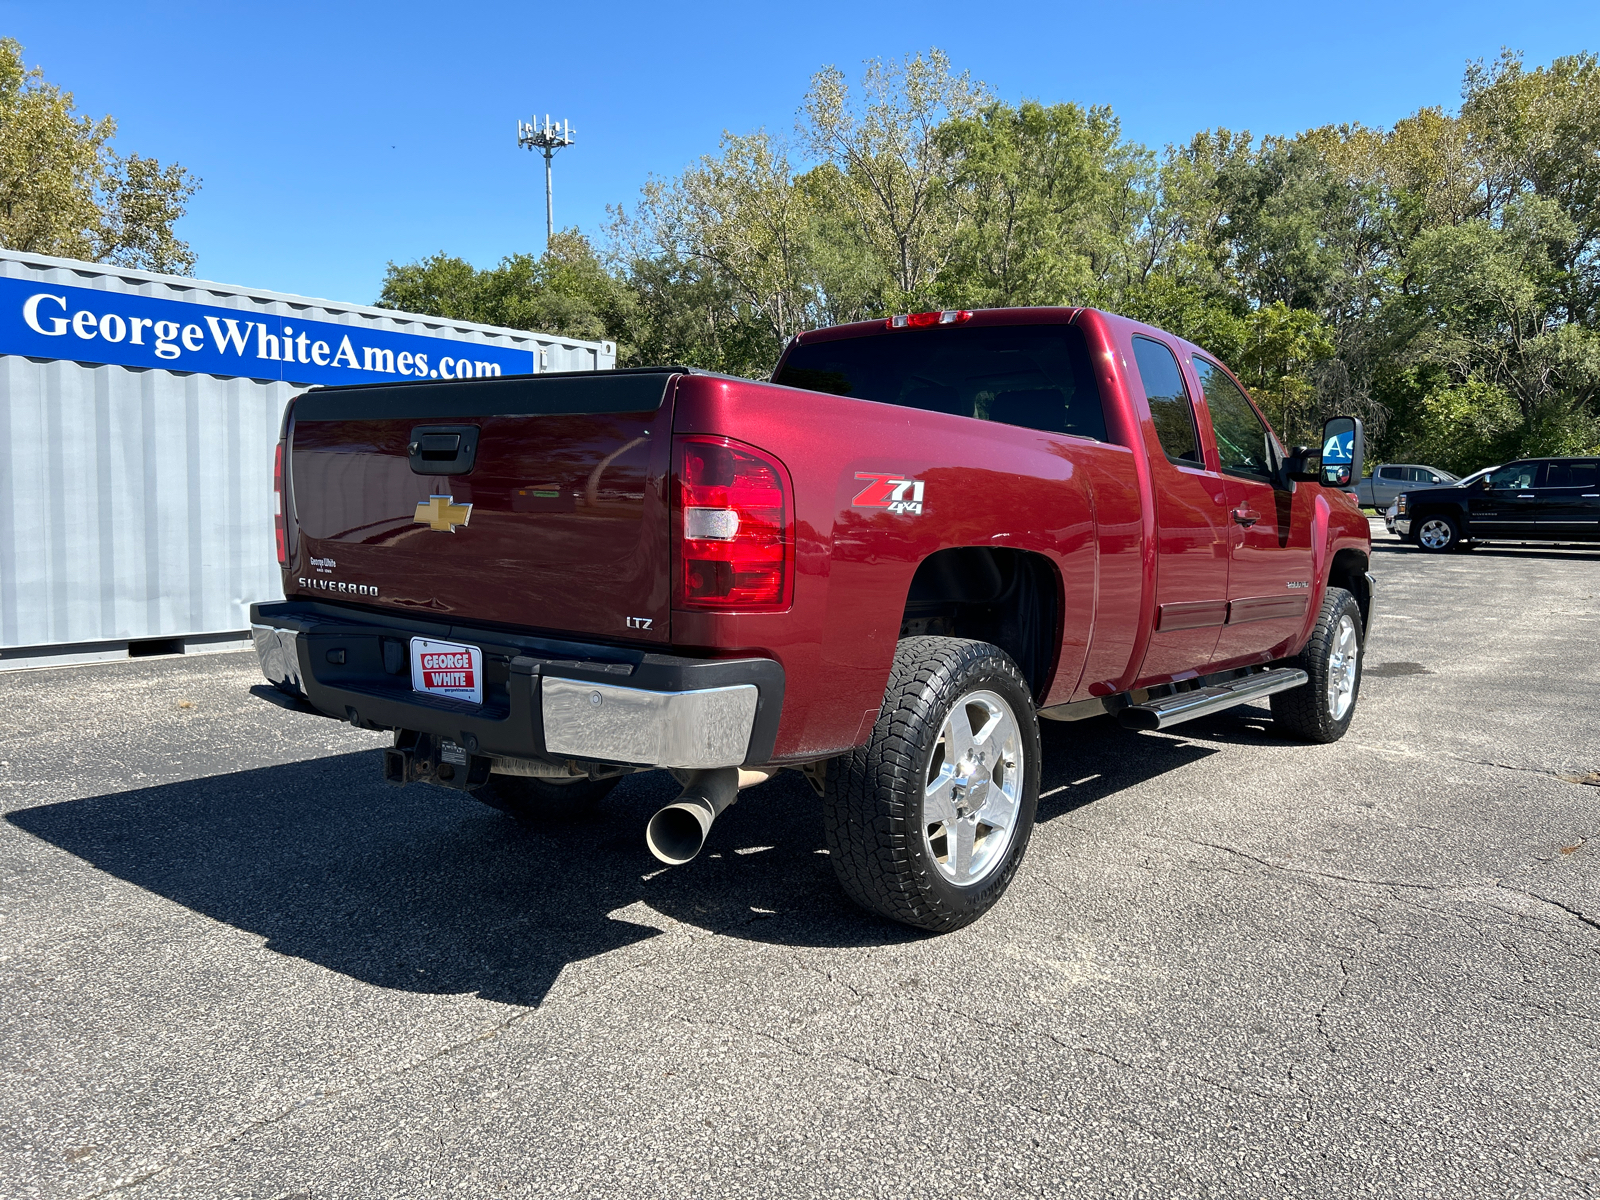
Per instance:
x=555, y=135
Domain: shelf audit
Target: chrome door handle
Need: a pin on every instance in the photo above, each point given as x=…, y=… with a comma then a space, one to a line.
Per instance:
x=1526, y=496
x=1245, y=516
x=1590, y=496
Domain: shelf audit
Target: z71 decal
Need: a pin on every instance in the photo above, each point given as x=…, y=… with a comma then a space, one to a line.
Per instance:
x=891, y=492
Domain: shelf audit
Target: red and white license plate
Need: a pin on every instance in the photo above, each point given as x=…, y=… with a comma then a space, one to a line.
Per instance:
x=447, y=669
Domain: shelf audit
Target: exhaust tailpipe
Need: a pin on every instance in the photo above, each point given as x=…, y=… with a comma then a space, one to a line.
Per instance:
x=678, y=832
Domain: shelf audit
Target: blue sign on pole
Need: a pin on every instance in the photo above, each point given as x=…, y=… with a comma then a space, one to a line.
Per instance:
x=88, y=325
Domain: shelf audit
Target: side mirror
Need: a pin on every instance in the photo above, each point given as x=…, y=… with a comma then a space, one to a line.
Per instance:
x=1343, y=448
x=1304, y=465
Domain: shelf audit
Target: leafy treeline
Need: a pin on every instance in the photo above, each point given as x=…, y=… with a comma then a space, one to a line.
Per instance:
x=1440, y=278
x=65, y=191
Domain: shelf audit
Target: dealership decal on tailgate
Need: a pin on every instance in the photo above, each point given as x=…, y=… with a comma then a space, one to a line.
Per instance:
x=447, y=669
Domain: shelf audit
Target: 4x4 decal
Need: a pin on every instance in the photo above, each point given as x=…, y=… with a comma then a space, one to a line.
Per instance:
x=889, y=491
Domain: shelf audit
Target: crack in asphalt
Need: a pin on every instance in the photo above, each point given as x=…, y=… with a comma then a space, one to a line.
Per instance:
x=1592, y=779
x=1458, y=889
x=1265, y=862
x=1338, y=997
x=1541, y=771
x=1299, y=1096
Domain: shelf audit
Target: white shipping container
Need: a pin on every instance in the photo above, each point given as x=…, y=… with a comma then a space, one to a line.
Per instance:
x=136, y=501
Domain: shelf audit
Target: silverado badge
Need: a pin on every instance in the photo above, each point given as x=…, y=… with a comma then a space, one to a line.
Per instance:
x=442, y=514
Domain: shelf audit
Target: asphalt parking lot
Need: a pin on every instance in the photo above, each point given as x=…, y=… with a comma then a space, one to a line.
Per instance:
x=234, y=964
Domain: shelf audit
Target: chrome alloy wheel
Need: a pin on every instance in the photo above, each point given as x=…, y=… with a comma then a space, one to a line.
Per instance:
x=973, y=788
x=1434, y=534
x=1342, y=663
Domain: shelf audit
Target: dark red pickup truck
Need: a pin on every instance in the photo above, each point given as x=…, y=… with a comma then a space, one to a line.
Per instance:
x=881, y=569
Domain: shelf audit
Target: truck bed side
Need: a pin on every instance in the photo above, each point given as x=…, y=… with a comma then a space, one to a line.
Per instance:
x=983, y=483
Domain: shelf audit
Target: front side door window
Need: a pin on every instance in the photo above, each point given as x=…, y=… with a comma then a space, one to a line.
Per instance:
x=1269, y=578
x=1507, y=501
x=1243, y=443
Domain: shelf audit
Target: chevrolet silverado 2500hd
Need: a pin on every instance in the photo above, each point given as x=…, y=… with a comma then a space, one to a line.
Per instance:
x=882, y=568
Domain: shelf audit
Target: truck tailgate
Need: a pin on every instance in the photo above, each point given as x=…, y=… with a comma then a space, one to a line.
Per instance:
x=532, y=501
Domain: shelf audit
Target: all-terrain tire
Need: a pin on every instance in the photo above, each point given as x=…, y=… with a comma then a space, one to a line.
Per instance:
x=1321, y=709
x=873, y=798
x=534, y=801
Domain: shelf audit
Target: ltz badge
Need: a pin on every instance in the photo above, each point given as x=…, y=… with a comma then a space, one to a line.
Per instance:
x=891, y=492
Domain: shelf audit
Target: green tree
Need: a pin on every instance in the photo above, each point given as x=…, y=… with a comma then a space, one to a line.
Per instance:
x=1282, y=347
x=65, y=191
x=892, y=167
x=1488, y=306
x=1040, y=200
x=1176, y=272
x=1464, y=426
x=739, y=218
x=565, y=291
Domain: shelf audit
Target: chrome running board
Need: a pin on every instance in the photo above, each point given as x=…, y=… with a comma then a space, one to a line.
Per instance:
x=1202, y=702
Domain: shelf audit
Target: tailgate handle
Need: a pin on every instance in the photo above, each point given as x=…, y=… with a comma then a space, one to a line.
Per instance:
x=439, y=446
x=442, y=449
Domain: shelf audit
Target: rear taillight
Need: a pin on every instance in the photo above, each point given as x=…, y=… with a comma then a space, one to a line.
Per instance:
x=950, y=316
x=277, y=512
x=733, y=525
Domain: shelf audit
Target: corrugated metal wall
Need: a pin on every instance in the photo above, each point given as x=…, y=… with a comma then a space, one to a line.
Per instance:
x=133, y=504
x=136, y=503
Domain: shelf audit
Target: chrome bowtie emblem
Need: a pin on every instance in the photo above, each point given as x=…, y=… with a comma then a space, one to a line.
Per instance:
x=442, y=513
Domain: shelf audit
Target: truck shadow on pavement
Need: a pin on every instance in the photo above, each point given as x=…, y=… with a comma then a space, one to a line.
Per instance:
x=426, y=890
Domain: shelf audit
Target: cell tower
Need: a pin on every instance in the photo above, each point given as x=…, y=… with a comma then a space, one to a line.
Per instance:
x=555, y=135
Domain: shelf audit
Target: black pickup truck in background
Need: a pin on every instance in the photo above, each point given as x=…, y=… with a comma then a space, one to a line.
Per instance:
x=1530, y=500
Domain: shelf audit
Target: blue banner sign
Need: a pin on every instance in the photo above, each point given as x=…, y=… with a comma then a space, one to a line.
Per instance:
x=47, y=320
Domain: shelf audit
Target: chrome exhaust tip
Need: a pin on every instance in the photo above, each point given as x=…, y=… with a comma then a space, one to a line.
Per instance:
x=678, y=833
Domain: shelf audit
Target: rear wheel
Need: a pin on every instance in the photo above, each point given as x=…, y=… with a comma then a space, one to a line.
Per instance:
x=532, y=800
x=1438, y=533
x=1321, y=710
x=927, y=823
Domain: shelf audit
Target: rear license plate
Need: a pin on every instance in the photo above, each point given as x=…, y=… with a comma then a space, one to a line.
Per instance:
x=447, y=669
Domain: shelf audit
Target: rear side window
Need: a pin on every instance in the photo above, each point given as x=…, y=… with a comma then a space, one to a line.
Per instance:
x=1243, y=442
x=1394, y=473
x=1037, y=376
x=1573, y=475
x=1169, y=401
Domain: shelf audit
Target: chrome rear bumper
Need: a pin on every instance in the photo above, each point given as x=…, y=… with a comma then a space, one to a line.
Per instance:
x=280, y=659
x=706, y=727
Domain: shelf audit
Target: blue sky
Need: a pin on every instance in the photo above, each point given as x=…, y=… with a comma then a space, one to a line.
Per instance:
x=332, y=138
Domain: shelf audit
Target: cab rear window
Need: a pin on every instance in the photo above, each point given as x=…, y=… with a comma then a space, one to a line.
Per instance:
x=1036, y=376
